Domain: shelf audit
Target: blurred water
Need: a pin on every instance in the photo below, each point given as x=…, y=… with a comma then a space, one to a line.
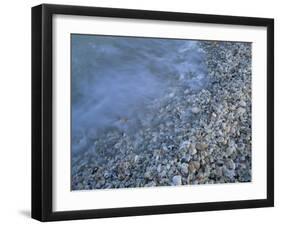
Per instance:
x=114, y=80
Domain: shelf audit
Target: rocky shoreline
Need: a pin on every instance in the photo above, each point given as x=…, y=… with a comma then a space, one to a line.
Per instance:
x=192, y=137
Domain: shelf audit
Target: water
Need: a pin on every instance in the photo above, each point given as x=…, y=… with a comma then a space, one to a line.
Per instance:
x=116, y=80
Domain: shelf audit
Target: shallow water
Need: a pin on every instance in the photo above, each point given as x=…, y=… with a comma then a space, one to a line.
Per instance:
x=116, y=81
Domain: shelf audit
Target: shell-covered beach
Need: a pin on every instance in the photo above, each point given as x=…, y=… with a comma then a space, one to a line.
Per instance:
x=166, y=112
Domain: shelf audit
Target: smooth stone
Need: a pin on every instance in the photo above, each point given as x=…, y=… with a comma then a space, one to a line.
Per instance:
x=230, y=150
x=177, y=180
x=227, y=129
x=193, y=150
x=195, y=110
x=171, y=95
x=184, y=168
x=221, y=140
x=106, y=175
x=184, y=145
x=187, y=91
x=240, y=146
x=136, y=159
x=148, y=175
x=163, y=173
x=159, y=168
x=196, y=165
x=218, y=171
x=230, y=164
x=228, y=173
x=201, y=146
x=193, y=166
x=233, y=130
x=241, y=111
x=184, y=160
x=242, y=103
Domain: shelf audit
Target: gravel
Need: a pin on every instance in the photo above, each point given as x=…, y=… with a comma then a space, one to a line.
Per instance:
x=192, y=137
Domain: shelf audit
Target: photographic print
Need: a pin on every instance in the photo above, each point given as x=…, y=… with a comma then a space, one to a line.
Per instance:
x=140, y=112
x=149, y=112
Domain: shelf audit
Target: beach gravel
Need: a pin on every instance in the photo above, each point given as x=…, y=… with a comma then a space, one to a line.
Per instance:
x=187, y=138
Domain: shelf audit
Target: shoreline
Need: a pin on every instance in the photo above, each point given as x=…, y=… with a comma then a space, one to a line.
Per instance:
x=211, y=143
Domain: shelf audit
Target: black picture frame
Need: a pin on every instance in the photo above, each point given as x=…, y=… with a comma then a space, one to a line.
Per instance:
x=42, y=106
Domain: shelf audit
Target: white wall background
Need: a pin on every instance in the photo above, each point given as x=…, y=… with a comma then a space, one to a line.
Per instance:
x=15, y=128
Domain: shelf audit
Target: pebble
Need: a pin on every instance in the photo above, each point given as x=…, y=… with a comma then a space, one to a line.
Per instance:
x=136, y=159
x=106, y=175
x=201, y=146
x=242, y=103
x=187, y=91
x=196, y=165
x=218, y=171
x=230, y=164
x=171, y=95
x=177, y=180
x=193, y=166
x=184, y=168
x=159, y=168
x=230, y=150
x=184, y=145
x=228, y=172
x=148, y=175
x=193, y=150
x=241, y=111
x=195, y=110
